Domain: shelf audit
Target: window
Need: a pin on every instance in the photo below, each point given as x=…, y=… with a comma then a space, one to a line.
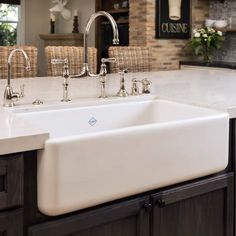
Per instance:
x=9, y=16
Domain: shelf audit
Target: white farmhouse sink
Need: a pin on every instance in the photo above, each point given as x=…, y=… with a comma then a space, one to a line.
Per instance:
x=100, y=153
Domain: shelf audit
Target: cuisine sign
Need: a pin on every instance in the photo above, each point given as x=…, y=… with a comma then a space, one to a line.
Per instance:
x=173, y=19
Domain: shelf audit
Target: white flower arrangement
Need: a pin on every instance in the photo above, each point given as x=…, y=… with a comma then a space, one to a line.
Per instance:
x=205, y=41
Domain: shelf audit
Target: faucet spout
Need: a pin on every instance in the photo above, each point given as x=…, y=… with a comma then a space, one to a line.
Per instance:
x=85, y=69
x=27, y=68
x=9, y=95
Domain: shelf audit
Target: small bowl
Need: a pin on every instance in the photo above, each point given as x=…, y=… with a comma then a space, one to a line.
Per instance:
x=209, y=22
x=116, y=6
x=220, y=24
x=125, y=4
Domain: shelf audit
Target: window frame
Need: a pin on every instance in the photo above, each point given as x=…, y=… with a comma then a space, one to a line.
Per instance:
x=19, y=22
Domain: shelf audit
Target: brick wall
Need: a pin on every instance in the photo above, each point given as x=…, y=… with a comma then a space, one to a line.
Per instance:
x=166, y=54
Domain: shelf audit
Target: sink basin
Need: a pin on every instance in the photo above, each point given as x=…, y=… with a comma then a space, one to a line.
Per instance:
x=100, y=153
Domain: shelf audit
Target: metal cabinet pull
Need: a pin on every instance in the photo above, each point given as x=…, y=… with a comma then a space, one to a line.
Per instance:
x=161, y=203
x=148, y=207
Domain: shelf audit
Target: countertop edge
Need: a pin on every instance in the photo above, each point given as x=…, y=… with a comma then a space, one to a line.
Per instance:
x=23, y=143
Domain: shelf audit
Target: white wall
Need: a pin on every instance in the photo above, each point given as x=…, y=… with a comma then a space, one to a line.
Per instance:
x=85, y=9
x=37, y=21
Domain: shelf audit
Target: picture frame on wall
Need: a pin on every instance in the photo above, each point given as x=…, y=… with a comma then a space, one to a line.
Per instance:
x=173, y=19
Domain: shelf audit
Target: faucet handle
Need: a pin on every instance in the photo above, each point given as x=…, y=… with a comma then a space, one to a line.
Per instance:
x=16, y=96
x=146, y=86
x=103, y=69
x=59, y=61
x=135, y=88
x=123, y=71
x=108, y=60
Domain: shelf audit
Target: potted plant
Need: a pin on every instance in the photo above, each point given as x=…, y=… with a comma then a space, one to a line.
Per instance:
x=204, y=41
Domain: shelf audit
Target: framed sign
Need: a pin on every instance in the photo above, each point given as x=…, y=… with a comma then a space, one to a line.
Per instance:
x=173, y=19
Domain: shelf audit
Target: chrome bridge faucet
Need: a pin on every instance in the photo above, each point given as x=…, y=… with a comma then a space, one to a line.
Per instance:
x=85, y=69
x=9, y=95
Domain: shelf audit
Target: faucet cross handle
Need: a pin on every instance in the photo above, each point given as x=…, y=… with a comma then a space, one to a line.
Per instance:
x=146, y=86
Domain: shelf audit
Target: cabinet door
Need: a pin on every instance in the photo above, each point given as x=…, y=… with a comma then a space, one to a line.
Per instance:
x=128, y=218
x=11, y=223
x=11, y=181
x=202, y=208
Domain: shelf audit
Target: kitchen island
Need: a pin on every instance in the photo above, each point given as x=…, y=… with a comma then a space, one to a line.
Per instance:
x=202, y=206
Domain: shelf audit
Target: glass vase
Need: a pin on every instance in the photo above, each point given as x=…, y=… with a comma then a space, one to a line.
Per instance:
x=207, y=56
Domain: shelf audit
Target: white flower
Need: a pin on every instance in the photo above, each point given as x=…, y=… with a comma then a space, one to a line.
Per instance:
x=194, y=31
x=204, y=35
x=219, y=33
x=202, y=31
x=197, y=35
x=211, y=30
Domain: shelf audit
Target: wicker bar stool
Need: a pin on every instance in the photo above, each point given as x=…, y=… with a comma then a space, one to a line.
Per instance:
x=74, y=56
x=3, y=62
x=18, y=62
x=135, y=59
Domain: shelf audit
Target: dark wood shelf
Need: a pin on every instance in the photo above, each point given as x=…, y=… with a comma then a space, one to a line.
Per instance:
x=230, y=30
x=227, y=30
x=62, y=39
x=118, y=11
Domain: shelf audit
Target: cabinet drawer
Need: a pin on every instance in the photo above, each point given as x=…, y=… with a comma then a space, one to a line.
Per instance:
x=11, y=181
x=11, y=223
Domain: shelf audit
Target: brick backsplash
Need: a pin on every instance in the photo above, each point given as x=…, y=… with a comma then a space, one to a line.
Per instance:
x=219, y=10
x=166, y=54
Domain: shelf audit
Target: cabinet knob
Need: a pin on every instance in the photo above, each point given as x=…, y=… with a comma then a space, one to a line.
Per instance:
x=161, y=203
x=148, y=207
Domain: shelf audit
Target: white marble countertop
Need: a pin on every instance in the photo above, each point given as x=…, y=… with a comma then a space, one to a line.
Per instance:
x=212, y=88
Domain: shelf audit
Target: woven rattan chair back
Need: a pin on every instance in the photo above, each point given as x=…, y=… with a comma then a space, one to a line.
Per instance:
x=135, y=59
x=18, y=62
x=3, y=62
x=74, y=56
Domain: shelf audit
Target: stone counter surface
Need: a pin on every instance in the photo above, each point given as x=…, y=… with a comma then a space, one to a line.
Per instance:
x=210, y=88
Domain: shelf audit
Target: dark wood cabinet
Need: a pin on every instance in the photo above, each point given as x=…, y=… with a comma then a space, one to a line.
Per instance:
x=202, y=208
x=128, y=218
x=11, y=223
x=199, y=208
x=11, y=181
x=11, y=195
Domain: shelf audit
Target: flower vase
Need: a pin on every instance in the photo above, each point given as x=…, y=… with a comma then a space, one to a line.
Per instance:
x=207, y=56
